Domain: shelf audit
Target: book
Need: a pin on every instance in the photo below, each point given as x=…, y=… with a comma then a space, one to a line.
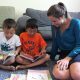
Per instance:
x=1, y=57
x=27, y=57
x=18, y=77
x=5, y=55
x=38, y=75
x=7, y=59
x=32, y=59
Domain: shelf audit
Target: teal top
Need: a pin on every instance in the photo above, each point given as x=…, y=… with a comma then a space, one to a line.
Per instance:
x=68, y=40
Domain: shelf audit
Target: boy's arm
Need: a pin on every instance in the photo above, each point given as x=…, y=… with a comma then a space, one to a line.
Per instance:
x=43, y=50
x=42, y=54
x=43, y=45
x=18, y=50
x=18, y=45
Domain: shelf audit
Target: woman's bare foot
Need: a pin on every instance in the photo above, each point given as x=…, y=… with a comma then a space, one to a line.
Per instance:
x=21, y=67
x=12, y=68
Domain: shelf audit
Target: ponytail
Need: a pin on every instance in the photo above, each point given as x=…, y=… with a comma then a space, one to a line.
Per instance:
x=62, y=6
x=58, y=10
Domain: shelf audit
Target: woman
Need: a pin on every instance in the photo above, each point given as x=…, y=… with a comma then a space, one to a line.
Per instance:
x=67, y=40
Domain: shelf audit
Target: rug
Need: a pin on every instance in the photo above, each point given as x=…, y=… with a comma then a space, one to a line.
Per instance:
x=4, y=74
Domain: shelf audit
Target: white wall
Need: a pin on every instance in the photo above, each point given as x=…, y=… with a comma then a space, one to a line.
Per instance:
x=21, y=5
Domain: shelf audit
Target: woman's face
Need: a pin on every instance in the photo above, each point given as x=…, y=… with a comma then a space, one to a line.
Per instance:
x=56, y=21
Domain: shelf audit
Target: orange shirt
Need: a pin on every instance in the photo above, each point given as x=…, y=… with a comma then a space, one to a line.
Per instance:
x=32, y=45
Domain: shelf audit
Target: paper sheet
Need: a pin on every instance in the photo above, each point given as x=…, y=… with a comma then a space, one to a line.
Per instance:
x=18, y=77
x=37, y=75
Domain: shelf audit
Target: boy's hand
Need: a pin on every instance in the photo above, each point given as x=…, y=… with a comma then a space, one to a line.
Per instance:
x=43, y=51
x=15, y=53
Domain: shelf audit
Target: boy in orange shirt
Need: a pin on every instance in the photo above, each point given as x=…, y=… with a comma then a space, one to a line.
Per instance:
x=33, y=49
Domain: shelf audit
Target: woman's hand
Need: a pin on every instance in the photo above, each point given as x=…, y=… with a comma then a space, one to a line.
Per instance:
x=63, y=63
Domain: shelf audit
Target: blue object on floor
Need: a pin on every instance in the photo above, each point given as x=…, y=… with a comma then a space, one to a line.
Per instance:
x=1, y=78
x=6, y=74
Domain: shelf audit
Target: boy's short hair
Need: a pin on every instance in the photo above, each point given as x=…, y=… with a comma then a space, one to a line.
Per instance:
x=31, y=23
x=9, y=23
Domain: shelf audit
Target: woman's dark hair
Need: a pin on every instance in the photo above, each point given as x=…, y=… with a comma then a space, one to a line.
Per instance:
x=9, y=23
x=57, y=10
x=31, y=23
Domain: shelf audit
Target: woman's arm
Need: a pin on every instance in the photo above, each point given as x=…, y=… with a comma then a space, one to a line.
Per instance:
x=76, y=50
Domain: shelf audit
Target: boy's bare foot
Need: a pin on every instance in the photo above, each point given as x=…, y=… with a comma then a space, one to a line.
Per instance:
x=12, y=68
x=21, y=67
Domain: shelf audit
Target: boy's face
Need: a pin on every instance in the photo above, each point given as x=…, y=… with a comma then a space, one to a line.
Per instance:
x=9, y=32
x=31, y=31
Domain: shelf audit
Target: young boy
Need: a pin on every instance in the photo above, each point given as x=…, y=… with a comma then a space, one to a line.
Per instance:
x=9, y=44
x=33, y=47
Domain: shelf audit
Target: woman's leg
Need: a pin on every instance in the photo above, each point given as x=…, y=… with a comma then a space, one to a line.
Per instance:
x=75, y=71
x=75, y=68
x=61, y=74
